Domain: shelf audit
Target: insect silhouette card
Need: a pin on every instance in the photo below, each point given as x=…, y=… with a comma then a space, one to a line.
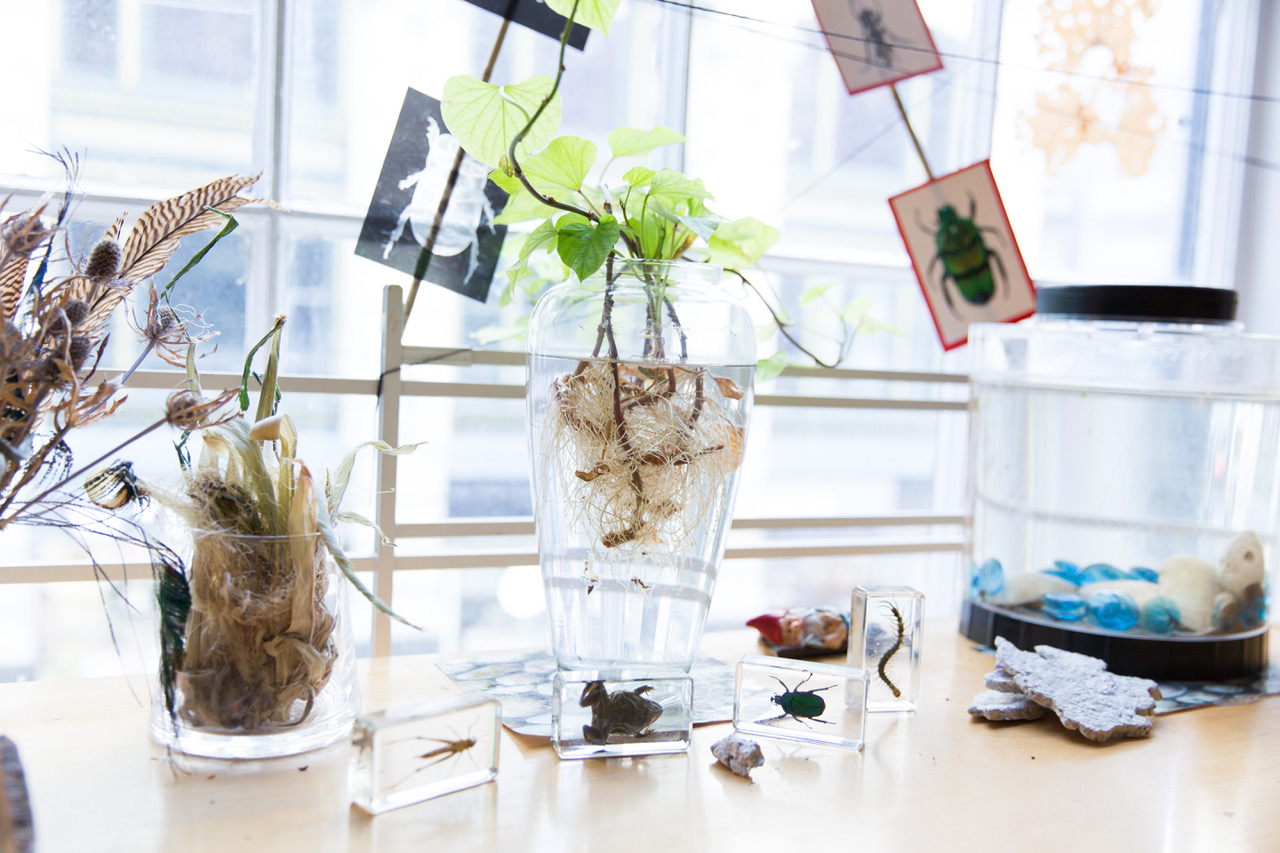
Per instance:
x=410, y=753
x=407, y=200
x=877, y=42
x=537, y=16
x=802, y=701
x=964, y=253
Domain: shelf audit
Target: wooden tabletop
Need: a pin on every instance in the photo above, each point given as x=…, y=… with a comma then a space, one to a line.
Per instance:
x=1207, y=779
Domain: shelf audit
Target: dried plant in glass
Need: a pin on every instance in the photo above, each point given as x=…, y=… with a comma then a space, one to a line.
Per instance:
x=251, y=635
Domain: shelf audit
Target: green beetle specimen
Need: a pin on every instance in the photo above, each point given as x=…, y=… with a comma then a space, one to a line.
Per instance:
x=800, y=704
x=966, y=260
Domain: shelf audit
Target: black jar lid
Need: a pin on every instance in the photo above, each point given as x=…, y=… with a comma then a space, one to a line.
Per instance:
x=1151, y=303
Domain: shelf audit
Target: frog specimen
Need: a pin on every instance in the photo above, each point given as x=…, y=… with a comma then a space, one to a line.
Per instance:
x=625, y=712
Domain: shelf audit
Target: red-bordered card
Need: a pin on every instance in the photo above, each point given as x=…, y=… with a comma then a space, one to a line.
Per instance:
x=877, y=42
x=964, y=253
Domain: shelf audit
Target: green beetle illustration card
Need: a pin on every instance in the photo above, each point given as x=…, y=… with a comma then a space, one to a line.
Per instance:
x=876, y=42
x=964, y=253
x=406, y=213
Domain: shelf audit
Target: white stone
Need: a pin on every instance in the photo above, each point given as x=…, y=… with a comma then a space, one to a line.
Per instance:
x=737, y=753
x=999, y=705
x=1242, y=565
x=1192, y=584
x=1140, y=591
x=1028, y=587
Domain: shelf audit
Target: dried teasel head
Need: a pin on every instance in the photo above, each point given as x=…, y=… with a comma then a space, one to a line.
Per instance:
x=24, y=232
x=187, y=410
x=160, y=322
x=77, y=311
x=104, y=260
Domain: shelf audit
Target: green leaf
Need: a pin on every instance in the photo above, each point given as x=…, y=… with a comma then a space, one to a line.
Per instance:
x=630, y=142
x=855, y=311
x=740, y=244
x=771, y=367
x=814, y=293
x=484, y=118
x=596, y=14
x=638, y=176
x=559, y=169
x=499, y=332
x=584, y=245
x=870, y=325
x=673, y=187
x=703, y=226
x=543, y=237
x=231, y=225
x=509, y=184
x=522, y=207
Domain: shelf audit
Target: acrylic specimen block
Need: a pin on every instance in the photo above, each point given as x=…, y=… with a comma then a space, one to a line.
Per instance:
x=596, y=713
x=410, y=753
x=801, y=700
x=884, y=639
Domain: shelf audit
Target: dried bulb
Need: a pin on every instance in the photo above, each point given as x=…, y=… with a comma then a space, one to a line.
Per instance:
x=79, y=350
x=77, y=310
x=166, y=318
x=104, y=260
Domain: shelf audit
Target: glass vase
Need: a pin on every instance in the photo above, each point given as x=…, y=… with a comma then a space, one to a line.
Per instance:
x=267, y=664
x=639, y=394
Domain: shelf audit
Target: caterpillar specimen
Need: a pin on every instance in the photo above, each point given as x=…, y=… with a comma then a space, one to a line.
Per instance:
x=893, y=650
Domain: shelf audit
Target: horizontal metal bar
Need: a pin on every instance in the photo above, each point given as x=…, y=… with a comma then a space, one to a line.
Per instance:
x=523, y=526
x=862, y=403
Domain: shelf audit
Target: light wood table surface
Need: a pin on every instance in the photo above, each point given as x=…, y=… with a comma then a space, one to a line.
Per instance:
x=1207, y=779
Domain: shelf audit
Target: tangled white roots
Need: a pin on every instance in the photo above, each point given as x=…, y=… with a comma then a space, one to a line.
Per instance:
x=641, y=452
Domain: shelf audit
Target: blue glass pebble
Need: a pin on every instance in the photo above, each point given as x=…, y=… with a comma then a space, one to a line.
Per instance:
x=1160, y=615
x=1114, y=611
x=1069, y=572
x=975, y=574
x=1100, y=572
x=1066, y=606
x=1142, y=573
x=991, y=577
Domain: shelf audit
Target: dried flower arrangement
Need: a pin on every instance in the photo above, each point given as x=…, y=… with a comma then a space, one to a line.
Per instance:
x=54, y=331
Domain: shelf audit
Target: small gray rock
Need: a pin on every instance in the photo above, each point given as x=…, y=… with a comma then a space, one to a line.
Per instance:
x=999, y=705
x=737, y=753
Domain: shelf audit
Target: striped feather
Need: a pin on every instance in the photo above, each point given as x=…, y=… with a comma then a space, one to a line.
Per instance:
x=13, y=272
x=154, y=237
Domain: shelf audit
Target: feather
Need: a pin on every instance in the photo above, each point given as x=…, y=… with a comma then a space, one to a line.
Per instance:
x=155, y=236
x=173, y=594
x=13, y=272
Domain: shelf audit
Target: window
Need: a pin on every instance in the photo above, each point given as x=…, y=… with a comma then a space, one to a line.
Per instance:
x=163, y=95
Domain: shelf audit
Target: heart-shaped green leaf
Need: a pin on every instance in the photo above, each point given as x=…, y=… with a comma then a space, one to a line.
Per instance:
x=596, y=14
x=630, y=142
x=584, y=245
x=484, y=118
x=559, y=170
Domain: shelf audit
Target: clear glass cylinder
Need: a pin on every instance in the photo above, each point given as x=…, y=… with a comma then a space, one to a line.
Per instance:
x=1125, y=484
x=267, y=666
x=640, y=390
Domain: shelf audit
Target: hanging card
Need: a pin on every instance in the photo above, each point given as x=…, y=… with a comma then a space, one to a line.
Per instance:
x=877, y=42
x=964, y=253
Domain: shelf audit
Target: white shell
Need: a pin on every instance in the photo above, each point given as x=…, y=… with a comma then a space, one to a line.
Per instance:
x=1192, y=583
x=1028, y=587
x=1242, y=565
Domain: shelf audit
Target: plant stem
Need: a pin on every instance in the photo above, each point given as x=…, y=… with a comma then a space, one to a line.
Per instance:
x=78, y=472
x=424, y=258
x=782, y=326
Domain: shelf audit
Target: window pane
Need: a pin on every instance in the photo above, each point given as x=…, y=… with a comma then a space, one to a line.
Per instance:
x=151, y=93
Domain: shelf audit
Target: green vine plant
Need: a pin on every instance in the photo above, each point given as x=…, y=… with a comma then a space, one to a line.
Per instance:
x=649, y=214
